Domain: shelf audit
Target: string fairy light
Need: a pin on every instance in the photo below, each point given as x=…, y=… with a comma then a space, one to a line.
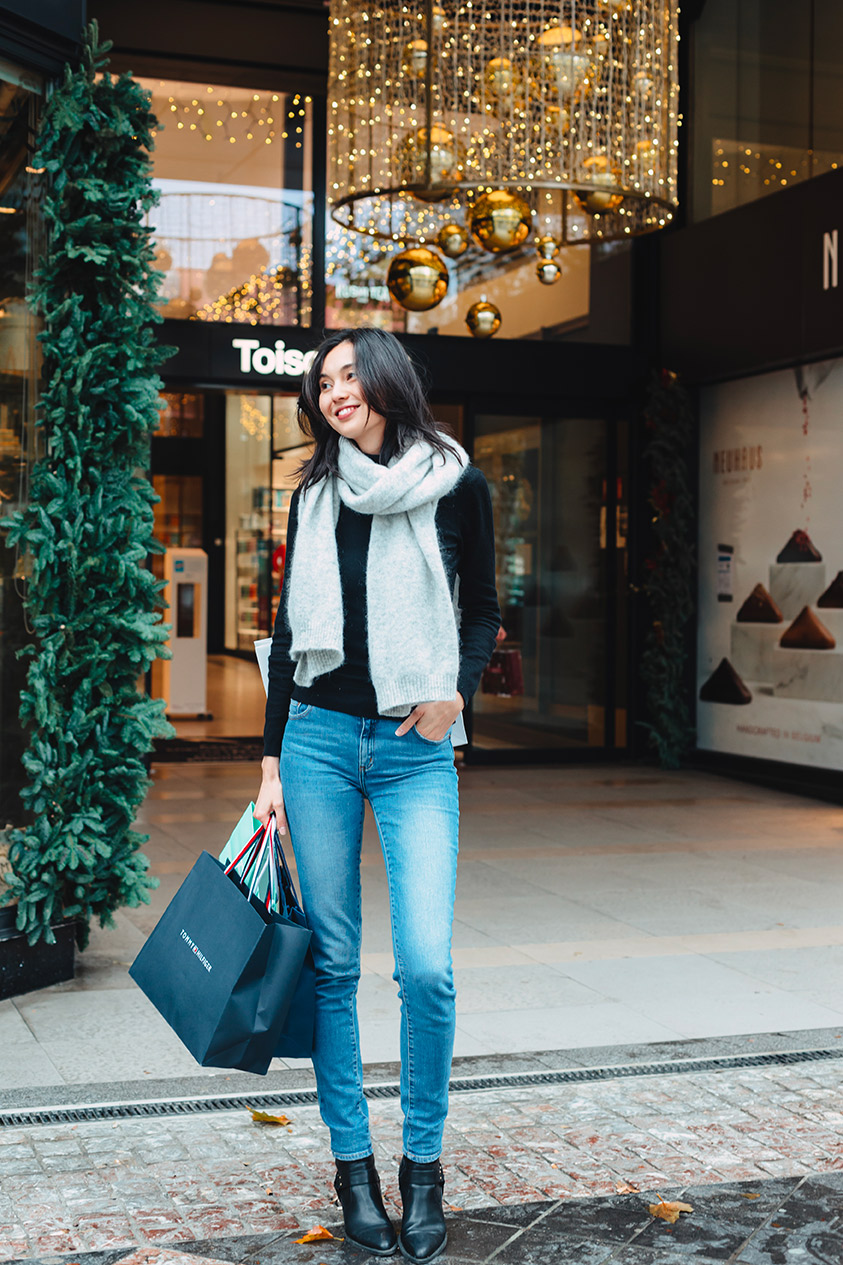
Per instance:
x=429, y=107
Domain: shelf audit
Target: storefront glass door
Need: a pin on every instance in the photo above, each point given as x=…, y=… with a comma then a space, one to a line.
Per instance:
x=264, y=448
x=552, y=681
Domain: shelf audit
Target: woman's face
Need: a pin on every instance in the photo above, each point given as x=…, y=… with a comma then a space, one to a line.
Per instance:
x=343, y=404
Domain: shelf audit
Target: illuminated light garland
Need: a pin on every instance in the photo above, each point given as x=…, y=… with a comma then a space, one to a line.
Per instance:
x=429, y=107
x=265, y=299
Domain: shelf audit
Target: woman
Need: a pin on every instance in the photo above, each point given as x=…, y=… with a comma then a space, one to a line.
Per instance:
x=387, y=617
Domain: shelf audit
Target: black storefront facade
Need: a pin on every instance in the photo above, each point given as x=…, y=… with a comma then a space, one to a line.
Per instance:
x=557, y=458
x=752, y=316
x=553, y=416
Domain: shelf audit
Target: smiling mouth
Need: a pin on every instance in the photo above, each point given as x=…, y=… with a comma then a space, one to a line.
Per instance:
x=343, y=413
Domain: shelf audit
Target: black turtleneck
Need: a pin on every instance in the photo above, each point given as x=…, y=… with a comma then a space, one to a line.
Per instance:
x=466, y=541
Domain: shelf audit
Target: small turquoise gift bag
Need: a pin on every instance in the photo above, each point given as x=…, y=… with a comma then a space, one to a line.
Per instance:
x=246, y=828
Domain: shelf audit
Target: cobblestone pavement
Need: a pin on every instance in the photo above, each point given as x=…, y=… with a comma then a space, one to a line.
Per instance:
x=535, y=1175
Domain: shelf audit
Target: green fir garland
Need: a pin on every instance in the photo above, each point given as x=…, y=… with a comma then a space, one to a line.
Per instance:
x=669, y=570
x=93, y=605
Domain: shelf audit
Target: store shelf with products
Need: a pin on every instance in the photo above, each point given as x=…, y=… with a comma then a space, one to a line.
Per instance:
x=252, y=586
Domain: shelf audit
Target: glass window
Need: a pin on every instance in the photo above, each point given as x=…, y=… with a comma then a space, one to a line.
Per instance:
x=21, y=242
x=233, y=227
x=182, y=417
x=264, y=449
x=545, y=684
x=356, y=289
x=178, y=513
x=766, y=110
x=248, y=427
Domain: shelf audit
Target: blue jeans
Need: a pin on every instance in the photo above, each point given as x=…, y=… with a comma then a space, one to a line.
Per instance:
x=330, y=764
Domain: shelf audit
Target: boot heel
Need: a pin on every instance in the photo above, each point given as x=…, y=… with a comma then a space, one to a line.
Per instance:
x=366, y=1224
x=424, y=1235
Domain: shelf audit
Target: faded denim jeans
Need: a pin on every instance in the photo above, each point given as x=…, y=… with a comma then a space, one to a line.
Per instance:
x=330, y=764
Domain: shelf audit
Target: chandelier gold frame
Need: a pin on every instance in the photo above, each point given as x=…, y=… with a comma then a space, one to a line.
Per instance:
x=573, y=104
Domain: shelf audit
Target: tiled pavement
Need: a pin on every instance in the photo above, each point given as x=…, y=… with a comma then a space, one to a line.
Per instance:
x=595, y=906
x=535, y=1176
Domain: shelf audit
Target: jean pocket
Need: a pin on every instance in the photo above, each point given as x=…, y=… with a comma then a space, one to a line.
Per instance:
x=297, y=710
x=431, y=742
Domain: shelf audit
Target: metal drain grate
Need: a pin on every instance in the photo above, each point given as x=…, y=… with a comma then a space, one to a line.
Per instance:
x=390, y=1089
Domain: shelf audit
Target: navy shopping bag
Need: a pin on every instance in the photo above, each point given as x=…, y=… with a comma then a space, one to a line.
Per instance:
x=296, y=1040
x=222, y=969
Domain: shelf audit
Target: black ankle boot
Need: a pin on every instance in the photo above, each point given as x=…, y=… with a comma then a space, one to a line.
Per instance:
x=423, y=1232
x=366, y=1223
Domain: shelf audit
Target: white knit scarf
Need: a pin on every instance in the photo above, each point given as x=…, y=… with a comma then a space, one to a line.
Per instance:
x=412, y=625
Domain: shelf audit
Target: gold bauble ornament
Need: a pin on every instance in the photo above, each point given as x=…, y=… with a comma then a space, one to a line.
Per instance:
x=499, y=78
x=508, y=87
x=568, y=66
x=414, y=62
x=483, y=319
x=445, y=161
x=557, y=116
x=500, y=221
x=417, y=279
x=452, y=240
x=547, y=247
x=646, y=158
x=548, y=271
x=643, y=83
x=597, y=200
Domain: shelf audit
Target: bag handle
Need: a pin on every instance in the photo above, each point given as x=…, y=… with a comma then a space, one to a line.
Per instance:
x=232, y=865
x=265, y=851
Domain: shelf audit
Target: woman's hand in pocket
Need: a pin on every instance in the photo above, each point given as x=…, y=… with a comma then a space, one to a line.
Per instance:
x=271, y=796
x=432, y=720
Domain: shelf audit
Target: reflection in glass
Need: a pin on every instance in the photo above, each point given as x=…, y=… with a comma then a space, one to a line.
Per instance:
x=248, y=426
x=182, y=417
x=356, y=290
x=233, y=227
x=766, y=103
x=177, y=514
x=21, y=242
x=545, y=684
x=264, y=449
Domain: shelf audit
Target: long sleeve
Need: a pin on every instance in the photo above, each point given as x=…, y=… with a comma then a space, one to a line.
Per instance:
x=478, y=598
x=281, y=666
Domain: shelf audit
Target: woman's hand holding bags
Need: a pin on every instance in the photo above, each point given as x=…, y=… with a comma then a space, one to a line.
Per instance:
x=230, y=971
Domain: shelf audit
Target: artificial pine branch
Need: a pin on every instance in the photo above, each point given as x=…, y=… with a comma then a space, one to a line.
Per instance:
x=93, y=604
x=669, y=569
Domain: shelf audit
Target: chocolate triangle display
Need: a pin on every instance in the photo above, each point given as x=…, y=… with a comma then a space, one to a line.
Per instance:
x=807, y=633
x=799, y=548
x=759, y=608
x=725, y=686
x=832, y=598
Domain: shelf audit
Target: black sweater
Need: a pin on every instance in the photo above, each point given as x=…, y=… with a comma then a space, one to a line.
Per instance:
x=466, y=540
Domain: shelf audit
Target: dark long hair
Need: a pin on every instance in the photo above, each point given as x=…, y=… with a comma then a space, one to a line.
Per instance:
x=391, y=387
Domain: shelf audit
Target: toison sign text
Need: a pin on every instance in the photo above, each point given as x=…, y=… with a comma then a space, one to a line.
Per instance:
x=280, y=359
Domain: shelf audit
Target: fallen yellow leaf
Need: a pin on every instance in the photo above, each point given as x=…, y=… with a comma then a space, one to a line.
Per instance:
x=263, y=1117
x=627, y=1188
x=318, y=1232
x=668, y=1210
x=749, y=1194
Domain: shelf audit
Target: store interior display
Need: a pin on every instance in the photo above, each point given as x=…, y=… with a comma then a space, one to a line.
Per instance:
x=799, y=548
x=759, y=608
x=833, y=596
x=807, y=632
x=725, y=686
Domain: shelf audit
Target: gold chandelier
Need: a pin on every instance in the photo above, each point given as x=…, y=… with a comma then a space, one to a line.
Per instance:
x=569, y=107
